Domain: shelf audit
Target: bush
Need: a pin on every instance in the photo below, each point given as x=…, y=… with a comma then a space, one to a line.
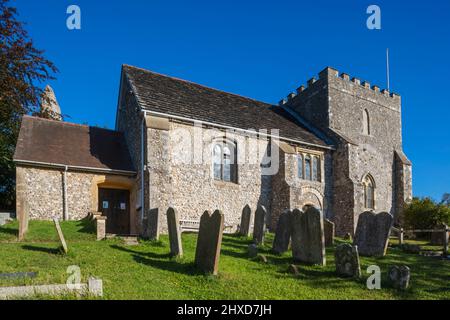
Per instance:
x=424, y=213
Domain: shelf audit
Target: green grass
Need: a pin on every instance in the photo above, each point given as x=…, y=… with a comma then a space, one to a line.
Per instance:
x=147, y=271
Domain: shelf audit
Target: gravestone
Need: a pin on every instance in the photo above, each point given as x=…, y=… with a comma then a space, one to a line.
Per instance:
x=328, y=229
x=60, y=235
x=173, y=225
x=23, y=217
x=153, y=221
x=347, y=261
x=282, y=233
x=437, y=238
x=252, y=250
x=261, y=258
x=100, y=223
x=259, y=226
x=293, y=269
x=246, y=219
x=372, y=233
x=308, y=243
x=399, y=277
x=209, y=240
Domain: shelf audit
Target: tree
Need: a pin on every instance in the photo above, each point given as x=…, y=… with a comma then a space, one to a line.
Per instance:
x=22, y=69
x=446, y=199
x=424, y=213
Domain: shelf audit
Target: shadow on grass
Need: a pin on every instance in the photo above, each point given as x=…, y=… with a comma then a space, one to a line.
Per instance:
x=234, y=254
x=87, y=226
x=160, y=261
x=42, y=249
x=147, y=254
x=8, y=231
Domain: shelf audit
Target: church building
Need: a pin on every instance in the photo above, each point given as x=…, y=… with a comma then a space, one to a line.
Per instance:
x=335, y=144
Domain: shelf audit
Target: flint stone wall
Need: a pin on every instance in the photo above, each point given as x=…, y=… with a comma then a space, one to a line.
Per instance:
x=42, y=189
x=293, y=192
x=190, y=188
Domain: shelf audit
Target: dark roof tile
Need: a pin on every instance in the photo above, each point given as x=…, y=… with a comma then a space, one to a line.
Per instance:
x=63, y=143
x=163, y=94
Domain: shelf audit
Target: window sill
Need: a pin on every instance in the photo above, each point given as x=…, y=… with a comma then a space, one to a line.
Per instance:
x=309, y=181
x=225, y=184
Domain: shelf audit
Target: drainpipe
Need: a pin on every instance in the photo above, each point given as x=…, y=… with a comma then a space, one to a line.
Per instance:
x=142, y=168
x=65, y=210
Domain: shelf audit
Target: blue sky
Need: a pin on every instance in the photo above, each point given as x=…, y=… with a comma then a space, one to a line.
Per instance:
x=260, y=49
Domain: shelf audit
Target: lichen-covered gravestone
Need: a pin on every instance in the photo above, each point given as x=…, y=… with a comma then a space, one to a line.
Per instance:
x=308, y=243
x=173, y=225
x=347, y=261
x=259, y=226
x=60, y=235
x=209, y=240
x=246, y=219
x=399, y=277
x=282, y=233
x=328, y=229
x=372, y=233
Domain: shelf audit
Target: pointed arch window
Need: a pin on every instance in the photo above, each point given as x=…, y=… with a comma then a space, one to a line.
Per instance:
x=224, y=161
x=369, y=192
x=366, y=122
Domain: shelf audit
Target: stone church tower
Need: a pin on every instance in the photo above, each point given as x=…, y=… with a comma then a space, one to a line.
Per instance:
x=370, y=170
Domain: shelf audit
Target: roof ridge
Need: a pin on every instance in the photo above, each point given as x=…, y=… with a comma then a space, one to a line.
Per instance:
x=198, y=84
x=68, y=123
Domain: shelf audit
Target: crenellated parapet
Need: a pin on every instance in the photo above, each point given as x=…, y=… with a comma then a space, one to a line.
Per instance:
x=329, y=75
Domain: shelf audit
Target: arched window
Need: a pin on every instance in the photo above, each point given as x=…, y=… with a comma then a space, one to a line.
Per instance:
x=300, y=165
x=315, y=168
x=369, y=192
x=224, y=161
x=308, y=167
x=366, y=122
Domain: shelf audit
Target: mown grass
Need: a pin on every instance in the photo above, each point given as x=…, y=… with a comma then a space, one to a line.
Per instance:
x=147, y=271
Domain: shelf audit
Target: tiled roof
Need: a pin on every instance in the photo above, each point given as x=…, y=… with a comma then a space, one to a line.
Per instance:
x=171, y=96
x=62, y=143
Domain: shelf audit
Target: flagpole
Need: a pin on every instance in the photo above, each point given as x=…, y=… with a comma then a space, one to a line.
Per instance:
x=387, y=69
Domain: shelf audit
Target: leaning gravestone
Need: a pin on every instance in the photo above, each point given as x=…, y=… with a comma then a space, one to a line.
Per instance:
x=347, y=261
x=259, y=226
x=328, y=229
x=60, y=235
x=372, y=233
x=23, y=218
x=308, y=243
x=173, y=225
x=399, y=277
x=209, y=240
x=282, y=233
x=246, y=219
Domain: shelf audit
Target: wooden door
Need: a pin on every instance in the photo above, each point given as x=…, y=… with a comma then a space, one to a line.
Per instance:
x=115, y=205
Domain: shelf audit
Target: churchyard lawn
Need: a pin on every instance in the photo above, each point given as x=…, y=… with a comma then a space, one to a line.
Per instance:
x=146, y=271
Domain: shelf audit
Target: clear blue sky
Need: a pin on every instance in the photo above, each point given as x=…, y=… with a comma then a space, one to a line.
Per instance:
x=260, y=49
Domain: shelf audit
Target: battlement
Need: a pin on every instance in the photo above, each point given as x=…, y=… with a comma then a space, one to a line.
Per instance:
x=330, y=73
